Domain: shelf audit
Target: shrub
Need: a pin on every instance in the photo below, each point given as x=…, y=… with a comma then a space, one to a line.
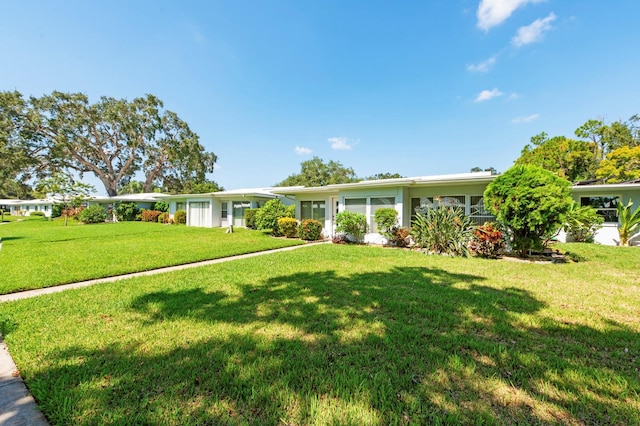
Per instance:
x=445, y=230
x=310, y=230
x=487, y=241
x=250, y=218
x=387, y=220
x=56, y=210
x=163, y=217
x=163, y=206
x=93, y=214
x=180, y=217
x=531, y=202
x=400, y=237
x=41, y=214
x=352, y=223
x=268, y=215
x=150, y=215
x=288, y=227
x=581, y=223
x=127, y=211
x=340, y=239
x=629, y=221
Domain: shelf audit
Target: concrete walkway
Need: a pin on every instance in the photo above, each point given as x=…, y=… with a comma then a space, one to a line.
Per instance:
x=17, y=406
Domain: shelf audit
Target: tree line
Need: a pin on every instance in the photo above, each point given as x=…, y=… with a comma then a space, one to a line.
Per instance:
x=113, y=139
x=609, y=153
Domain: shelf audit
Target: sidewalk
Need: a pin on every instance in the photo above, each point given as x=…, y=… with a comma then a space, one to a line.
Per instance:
x=17, y=406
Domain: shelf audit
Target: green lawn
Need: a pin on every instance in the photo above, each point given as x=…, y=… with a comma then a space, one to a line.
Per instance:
x=38, y=253
x=342, y=335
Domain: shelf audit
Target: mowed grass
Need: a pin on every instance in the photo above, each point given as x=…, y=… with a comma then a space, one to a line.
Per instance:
x=342, y=335
x=37, y=253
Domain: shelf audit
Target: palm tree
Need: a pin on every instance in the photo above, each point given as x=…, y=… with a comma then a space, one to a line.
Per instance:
x=628, y=222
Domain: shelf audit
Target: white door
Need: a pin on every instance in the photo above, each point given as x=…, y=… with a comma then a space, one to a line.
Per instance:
x=334, y=212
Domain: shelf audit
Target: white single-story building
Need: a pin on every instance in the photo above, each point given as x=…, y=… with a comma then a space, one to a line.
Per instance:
x=26, y=207
x=220, y=209
x=463, y=190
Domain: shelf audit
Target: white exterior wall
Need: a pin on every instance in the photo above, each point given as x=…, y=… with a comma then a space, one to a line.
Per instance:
x=327, y=225
x=397, y=192
x=607, y=234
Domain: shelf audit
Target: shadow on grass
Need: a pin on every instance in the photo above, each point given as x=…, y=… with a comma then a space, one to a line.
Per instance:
x=10, y=238
x=409, y=346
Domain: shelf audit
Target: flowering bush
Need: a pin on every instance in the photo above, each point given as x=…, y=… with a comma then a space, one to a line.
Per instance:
x=288, y=227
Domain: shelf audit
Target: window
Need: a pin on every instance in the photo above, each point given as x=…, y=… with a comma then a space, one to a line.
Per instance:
x=356, y=205
x=180, y=206
x=238, y=212
x=313, y=210
x=606, y=207
x=480, y=215
x=224, y=212
x=451, y=201
x=420, y=204
x=378, y=203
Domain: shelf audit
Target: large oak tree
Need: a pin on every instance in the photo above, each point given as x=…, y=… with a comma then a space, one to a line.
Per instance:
x=113, y=138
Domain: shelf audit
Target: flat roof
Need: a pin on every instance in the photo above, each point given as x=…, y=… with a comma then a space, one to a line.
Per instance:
x=476, y=177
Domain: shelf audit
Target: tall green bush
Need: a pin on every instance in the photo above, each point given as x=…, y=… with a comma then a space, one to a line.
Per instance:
x=93, y=214
x=352, y=223
x=387, y=220
x=162, y=206
x=581, y=223
x=180, y=217
x=127, y=211
x=268, y=215
x=250, y=218
x=444, y=230
x=531, y=202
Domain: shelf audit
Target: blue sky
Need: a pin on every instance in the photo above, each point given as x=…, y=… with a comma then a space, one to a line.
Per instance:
x=413, y=87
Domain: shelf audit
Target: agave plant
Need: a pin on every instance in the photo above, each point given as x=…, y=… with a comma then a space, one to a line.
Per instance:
x=628, y=222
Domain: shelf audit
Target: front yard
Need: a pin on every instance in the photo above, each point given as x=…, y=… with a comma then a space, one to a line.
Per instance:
x=342, y=335
x=37, y=253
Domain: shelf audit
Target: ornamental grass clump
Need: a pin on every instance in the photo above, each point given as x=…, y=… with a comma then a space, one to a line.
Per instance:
x=444, y=230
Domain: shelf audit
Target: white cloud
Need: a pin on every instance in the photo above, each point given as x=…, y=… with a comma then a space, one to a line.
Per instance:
x=301, y=150
x=341, y=143
x=482, y=66
x=513, y=96
x=494, y=12
x=526, y=118
x=485, y=95
x=533, y=32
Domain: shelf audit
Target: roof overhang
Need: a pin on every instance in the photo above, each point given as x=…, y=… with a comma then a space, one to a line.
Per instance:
x=439, y=180
x=607, y=187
